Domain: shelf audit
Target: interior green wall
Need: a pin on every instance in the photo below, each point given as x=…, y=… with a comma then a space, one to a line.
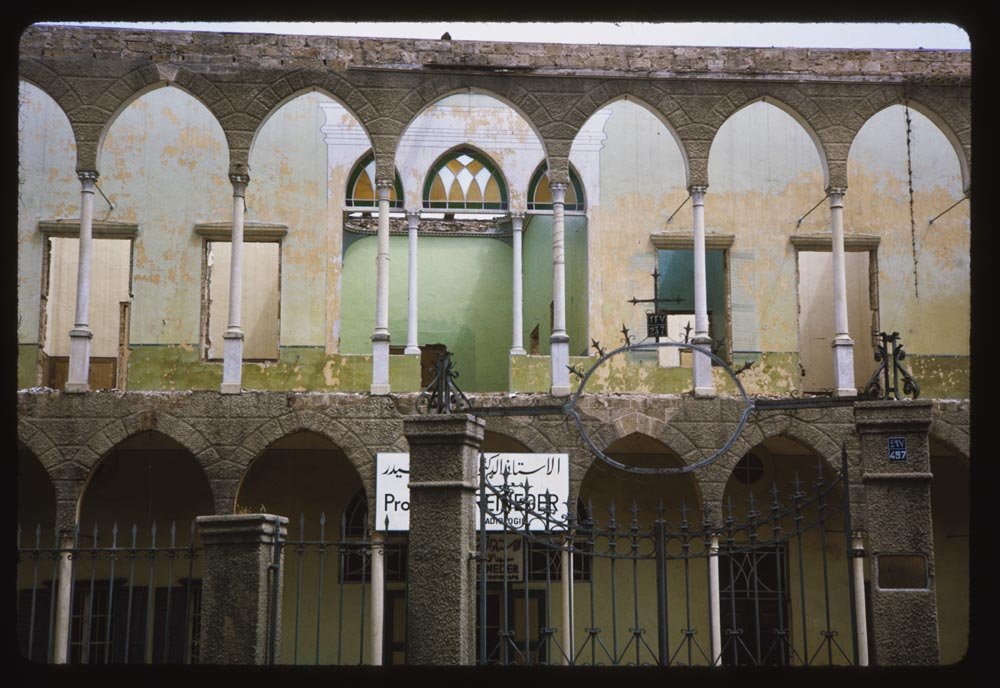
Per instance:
x=537, y=279
x=464, y=287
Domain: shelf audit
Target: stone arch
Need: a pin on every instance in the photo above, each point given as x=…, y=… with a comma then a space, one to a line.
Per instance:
x=740, y=99
x=40, y=445
x=36, y=496
x=662, y=112
x=525, y=434
x=336, y=432
x=302, y=89
x=638, y=422
x=952, y=442
x=432, y=90
x=948, y=112
x=166, y=79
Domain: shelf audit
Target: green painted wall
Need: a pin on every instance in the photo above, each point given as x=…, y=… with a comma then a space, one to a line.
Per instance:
x=537, y=280
x=27, y=361
x=464, y=286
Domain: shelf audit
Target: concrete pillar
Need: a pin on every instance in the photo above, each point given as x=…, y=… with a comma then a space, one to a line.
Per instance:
x=60, y=631
x=80, y=336
x=559, y=339
x=232, y=338
x=380, y=337
x=714, y=601
x=517, y=324
x=701, y=365
x=377, y=597
x=441, y=565
x=843, y=345
x=239, y=606
x=412, y=342
x=896, y=474
x=858, y=581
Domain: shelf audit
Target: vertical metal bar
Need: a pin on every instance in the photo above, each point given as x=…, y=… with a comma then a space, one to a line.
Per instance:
x=779, y=558
x=526, y=575
x=386, y=632
x=797, y=496
x=54, y=593
x=686, y=553
x=482, y=559
x=188, y=601
x=635, y=578
x=171, y=553
x=821, y=505
x=275, y=570
x=88, y=620
x=319, y=581
x=111, y=593
x=298, y=584
x=506, y=529
x=131, y=583
x=342, y=555
x=754, y=561
x=734, y=632
x=661, y=597
x=34, y=584
x=147, y=643
x=591, y=544
x=614, y=615
x=365, y=550
x=550, y=556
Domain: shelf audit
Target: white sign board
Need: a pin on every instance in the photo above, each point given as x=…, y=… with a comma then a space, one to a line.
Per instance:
x=540, y=480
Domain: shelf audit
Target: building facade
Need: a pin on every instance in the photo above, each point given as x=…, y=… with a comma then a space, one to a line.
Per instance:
x=240, y=255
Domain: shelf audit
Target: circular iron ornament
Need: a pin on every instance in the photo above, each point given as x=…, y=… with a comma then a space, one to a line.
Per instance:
x=571, y=410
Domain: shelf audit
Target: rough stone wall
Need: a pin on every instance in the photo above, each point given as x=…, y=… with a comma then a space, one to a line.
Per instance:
x=70, y=433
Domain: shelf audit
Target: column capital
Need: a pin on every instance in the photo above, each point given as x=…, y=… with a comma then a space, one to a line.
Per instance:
x=517, y=214
x=698, y=189
x=412, y=216
x=87, y=176
x=384, y=187
x=239, y=182
x=836, y=190
x=558, y=190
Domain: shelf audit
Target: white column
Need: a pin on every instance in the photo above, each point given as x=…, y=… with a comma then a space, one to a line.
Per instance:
x=701, y=364
x=517, y=329
x=412, y=341
x=377, y=597
x=567, y=605
x=559, y=339
x=80, y=336
x=60, y=633
x=843, y=345
x=232, y=338
x=858, y=580
x=714, y=604
x=380, y=338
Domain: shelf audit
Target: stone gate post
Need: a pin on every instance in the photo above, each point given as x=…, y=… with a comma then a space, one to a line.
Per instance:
x=441, y=573
x=896, y=474
x=238, y=603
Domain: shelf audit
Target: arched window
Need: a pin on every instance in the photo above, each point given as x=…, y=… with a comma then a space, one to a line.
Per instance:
x=540, y=197
x=465, y=179
x=355, y=560
x=361, y=185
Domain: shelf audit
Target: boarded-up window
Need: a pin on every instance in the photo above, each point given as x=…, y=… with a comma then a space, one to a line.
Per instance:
x=816, y=328
x=259, y=320
x=109, y=287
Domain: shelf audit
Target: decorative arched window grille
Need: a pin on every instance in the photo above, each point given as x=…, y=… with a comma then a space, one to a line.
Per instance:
x=540, y=197
x=465, y=179
x=361, y=191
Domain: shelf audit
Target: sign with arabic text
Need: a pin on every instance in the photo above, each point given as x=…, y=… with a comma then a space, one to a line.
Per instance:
x=537, y=484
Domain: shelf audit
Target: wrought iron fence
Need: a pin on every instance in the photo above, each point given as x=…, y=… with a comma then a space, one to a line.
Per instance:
x=327, y=597
x=660, y=588
x=130, y=597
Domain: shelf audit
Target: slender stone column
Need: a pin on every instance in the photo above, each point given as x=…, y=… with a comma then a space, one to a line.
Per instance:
x=441, y=571
x=567, y=605
x=80, y=336
x=232, y=338
x=559, y=339
x=858, y=580
x=895, y=458
x=377, y=597
x=843, y=345
x=701, y=365
x=239, y=603
x=380, y=338
x=60, y=633
x=517, y=329
x=714, y=602
x=412, y=341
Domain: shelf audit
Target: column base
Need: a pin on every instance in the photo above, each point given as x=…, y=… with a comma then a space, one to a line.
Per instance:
x=701, y=368
x=518, y=351
x=560, y=365
x=79, y=360
x=380, y=364
x=843, y=367
x=412, y=351
x=232, y=362
x=231, y=388
x=76, y=388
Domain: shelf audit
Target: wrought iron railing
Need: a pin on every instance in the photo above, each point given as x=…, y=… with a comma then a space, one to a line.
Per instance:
x=129, y=596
